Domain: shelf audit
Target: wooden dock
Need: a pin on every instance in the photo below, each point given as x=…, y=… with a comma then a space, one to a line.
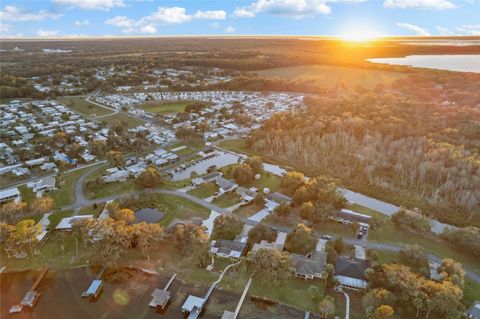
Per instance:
x=31, y=297
x=96, y=287
x=160, y=297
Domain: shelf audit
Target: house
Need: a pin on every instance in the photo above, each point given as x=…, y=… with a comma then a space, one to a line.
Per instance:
x=229, y=248
x=474, y=310
x=68, y=222
x=246, y=194
x=211, y=177
x=9, y=194
x=117, y=176
x=352, y=216
x=350, y=272
x=309, y=268
x=277, y=244
x=279, y=198
x=225, y=185
x=43, y=185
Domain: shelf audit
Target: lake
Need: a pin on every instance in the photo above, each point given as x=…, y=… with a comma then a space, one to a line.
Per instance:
x=60, y=298
x=458, y=63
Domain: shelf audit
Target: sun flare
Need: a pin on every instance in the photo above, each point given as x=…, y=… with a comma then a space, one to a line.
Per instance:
x=358, y=34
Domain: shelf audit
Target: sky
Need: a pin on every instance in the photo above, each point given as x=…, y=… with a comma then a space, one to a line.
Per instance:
x=347, y=18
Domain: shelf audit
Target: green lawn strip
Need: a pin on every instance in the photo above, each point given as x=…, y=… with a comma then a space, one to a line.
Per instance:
x=235, y=145
x=28, y=196
x=80, y=105
x=227, y=200
x=248, y=210
x=471, y=291
x=164, y=107
x=55, y=218
x=169, y=184
x=205, y=190
x=129, y=121
x=179, y=207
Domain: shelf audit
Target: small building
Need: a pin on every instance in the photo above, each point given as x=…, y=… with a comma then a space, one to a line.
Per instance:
x=350, y=272
x=474, y=310
x=10, y=194
x=278, y=244
x=279, y=198
x=192, y=304
x=118, y=176
x=309, y=268
x=352, y=216
x=233, y=249
x=225, y=185
x=68, y=222
x=44, y=185
x=94, y=290
x=160, y=298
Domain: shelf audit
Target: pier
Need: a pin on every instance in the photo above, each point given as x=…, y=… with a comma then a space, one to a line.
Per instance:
x=160, y=297
x=95, y=287
x=31, y=297
x=233, y=315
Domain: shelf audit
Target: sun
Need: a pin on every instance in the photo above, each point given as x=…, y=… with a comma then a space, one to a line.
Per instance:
x=358, y=33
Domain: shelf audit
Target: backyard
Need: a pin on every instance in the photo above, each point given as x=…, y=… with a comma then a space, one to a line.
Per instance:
x=80, y=105
x=128, y=121
x=164, y=107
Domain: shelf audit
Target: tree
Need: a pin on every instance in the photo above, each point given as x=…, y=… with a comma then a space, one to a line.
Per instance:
x=256, y=163
x=226, y=226
x=411, y=219
x=301, y=240
x=283, y=209
x=383, y=312
x=185, y=133
x=115, y=159
x=327, y=306
x=149, y=178
x=339, y=245
x=144, y=235
x=314, y=292
x=243, y=174
x=261, y=232
x=307, y=211
x=192, y=242
x=41, y=205
x=414, y=257
x=269, y=266
x=452, y=271
x=126, y=215
x=259, y=199
x=108, y=240
x=11, y=211
x=27, y=232
x=292, y=181
x=377, y=297
x=467, y=238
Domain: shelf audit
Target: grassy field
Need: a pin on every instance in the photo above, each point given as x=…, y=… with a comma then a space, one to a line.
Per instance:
x=178, y=207
x=328, y=75
x=204, y=190
x=65, y=193
x=80, y=105
x=227, y=200
x=164, y=107
x=129, y=121
x=248, y=210
x=266, y=180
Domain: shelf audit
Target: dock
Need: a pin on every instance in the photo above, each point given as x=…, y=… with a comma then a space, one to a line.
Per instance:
x=160, y=297
x=95, y=287
x=31, y=297
x=233, y=315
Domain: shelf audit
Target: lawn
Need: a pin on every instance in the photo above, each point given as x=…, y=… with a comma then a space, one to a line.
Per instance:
x=205, y=190
x=28, y=196
x=234, y=145
x=227, y=200
x=266, y=180
x=164, y=107
x=80, y=105
x=329, y=75
x=178, y=207
x=128, y=121
x=248, y=210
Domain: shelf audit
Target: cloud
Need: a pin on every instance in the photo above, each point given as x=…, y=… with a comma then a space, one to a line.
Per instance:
x=168, y=15
x=47, y=33
x=211, y=15
x=414, y=28
x=13, y=13
x=91, y=4
x=215, y=25
x=468, y=29
x=230, y=29
x=83, y=23
x=121, y=22
x=4, y=27
x=162, y=16
x=149, y=28
x=419, y=4
x=296, y=9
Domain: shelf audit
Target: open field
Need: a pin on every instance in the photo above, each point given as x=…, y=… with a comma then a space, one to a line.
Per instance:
x=204, y=190
x=266, y=180
x=129, y=121
x=80, y=105
x=164, y=107
x=178, y=207
x=334, y=75
x=227, y=200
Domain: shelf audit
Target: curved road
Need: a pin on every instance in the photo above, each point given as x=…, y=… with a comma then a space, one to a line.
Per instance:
x=81, y=201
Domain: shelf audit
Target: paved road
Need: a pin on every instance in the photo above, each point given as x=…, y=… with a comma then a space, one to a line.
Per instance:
x=81, y=201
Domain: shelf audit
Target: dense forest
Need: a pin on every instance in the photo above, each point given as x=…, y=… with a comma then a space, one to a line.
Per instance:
x=414, y=143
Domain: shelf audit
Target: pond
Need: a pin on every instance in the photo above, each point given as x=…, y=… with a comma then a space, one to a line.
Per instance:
x=148, y=215
x=459, y=63
x=61, y=290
